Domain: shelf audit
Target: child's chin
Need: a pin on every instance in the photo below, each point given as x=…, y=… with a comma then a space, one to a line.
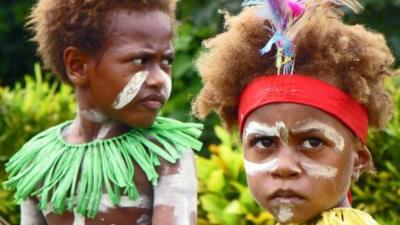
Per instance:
x=286, y=216
x=143, y=122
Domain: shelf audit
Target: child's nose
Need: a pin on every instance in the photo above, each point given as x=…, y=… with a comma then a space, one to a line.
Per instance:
x=287, y=166
x=157, y=77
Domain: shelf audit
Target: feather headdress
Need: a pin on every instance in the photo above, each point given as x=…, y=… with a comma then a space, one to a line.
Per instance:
x=287, y=17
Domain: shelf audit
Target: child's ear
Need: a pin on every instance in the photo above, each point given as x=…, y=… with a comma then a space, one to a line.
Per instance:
x=76, y=64
x=362, y=161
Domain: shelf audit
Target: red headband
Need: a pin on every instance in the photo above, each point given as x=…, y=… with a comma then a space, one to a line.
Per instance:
x=303, y=90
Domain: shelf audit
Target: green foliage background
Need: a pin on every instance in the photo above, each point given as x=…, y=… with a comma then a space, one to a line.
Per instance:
x=31, y=103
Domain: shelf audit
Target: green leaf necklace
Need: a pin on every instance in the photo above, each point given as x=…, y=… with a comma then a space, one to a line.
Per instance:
x=48, y=167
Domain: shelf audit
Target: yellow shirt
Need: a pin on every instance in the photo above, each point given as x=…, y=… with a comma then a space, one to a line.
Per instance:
x=342, y=216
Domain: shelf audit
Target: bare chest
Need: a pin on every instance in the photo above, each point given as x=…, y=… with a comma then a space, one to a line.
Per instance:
x=128, y=212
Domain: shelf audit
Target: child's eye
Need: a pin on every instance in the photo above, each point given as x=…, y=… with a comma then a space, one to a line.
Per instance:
x=167, y=62
x=264, y=142
x=138, y=61
x=312, y=143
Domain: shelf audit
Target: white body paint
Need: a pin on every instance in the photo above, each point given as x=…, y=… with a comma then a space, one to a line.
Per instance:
x=259, y=129
x=318, y=170
x=93, y=115
x=329, y=132
x=131, y=89
x=78, y=219
x=30, y=214
x=104, y=130
x=179, y=190
x=143, y=202
x=144, y=220
x=48, y=210
x=255, y=168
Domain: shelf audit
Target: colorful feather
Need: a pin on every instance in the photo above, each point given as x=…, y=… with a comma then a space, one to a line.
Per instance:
x=287, y=17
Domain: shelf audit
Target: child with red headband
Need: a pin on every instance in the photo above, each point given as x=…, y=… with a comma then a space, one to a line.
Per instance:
x=303, y=88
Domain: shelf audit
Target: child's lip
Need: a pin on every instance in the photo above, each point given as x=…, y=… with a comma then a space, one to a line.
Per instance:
x=283, y=195
x=153, y=101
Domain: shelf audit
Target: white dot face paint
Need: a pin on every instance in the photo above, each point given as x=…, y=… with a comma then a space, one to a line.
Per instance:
x=329, y=132
x=257, y=168
x=179, y=190
x=278, y=130
x=131, y=90
x=318, y=170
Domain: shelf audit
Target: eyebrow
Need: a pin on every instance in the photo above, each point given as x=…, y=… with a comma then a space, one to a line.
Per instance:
x=260, y=128
x=316, y=126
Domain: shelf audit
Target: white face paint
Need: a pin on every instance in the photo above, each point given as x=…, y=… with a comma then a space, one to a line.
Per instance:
x=168, y=84
x=318, y=170
x=278, y=130
x=93, y=115
x=179, y=190
x=143, y=202
x=329, y=132
x=285, y=213
x=255, y=168
x=131, y=90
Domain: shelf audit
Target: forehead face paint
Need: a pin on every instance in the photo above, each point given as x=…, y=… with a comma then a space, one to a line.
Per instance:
x=255, y=168
x=259, y=129
x=318, y=170
x=131, y=90
x=329, y=132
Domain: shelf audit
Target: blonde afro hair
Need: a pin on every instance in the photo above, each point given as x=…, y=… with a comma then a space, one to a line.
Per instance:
x=349, y=57
x=57, y=24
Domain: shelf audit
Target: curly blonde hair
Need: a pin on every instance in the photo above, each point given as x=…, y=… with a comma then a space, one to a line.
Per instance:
x=349, y=57
x=57, y=24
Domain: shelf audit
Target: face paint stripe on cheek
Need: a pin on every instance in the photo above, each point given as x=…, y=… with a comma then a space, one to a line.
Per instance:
x=131, y=90
x=317, y=170
x=256, y=168
x=168, y=84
